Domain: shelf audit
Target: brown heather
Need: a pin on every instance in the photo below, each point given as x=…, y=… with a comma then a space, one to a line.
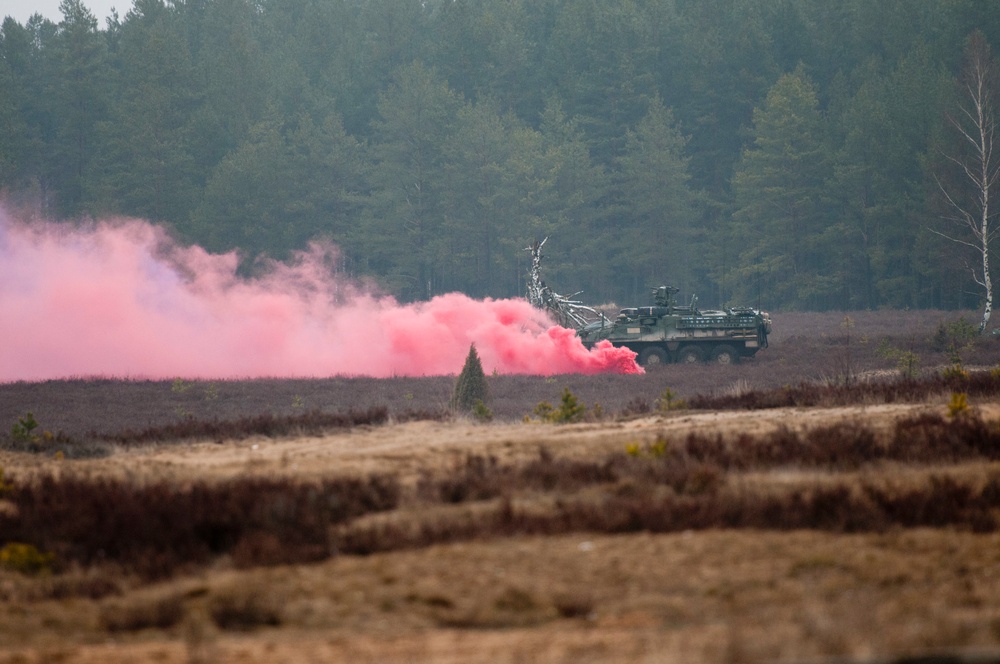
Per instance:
x=153, y=529
x=720, y=545
x=156, y=528
x=811, y=361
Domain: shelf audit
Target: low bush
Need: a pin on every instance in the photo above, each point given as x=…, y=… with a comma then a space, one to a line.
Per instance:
x=959, y=404
x=680, y=483
x=669, y=483
x=311, y=422
x=24, y=429
x=153, y=529
x=845, y=506
x=978, y=384
x=574, y=605
x=481, y=411
x=25, y=558
x=243, y=608
x=148, y=611
x=669, y=401
x=569, y=409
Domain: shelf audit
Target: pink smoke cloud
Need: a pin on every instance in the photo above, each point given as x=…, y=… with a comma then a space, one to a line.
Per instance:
x=119, y=298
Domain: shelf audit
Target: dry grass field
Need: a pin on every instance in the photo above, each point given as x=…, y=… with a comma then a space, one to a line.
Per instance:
x=834, y=499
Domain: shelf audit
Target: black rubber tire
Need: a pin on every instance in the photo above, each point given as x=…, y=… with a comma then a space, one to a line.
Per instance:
x=690, y=355
x=653, y=357
x=725, y=355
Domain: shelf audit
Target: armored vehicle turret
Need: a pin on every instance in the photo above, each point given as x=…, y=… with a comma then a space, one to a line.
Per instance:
x=671, y=332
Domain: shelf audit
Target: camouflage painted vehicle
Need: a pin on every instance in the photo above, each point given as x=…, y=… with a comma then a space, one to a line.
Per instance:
x=669, y=332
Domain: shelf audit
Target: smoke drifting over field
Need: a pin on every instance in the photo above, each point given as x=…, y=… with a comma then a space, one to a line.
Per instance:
x=120, y=298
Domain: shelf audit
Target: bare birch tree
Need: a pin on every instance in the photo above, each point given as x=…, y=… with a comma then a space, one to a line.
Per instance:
x=977, y=167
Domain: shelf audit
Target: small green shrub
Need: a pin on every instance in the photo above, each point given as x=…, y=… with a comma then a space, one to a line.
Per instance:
x=959, y=404
x=954, y=336
x=471, y=385
x=481, y=411
x=25, y=436
x=668, y=401
x=25, y=558
x=23, y=429
x=180, y=386
x=543, y=411
x=569, y=410
x=654, y=450
x=907, y=361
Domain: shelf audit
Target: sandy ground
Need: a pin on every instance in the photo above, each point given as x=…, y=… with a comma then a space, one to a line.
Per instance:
x=712, y=597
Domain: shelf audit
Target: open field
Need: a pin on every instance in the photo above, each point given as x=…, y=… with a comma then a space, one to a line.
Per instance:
x=363, y=523
x=807, y=347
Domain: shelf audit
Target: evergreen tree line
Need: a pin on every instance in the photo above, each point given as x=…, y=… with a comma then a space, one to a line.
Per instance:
x=791, y=153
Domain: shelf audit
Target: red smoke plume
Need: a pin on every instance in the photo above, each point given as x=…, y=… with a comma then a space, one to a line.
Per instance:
x=120, y=299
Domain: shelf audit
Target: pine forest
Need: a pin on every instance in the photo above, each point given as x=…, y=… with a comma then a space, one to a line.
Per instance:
x=790, y=154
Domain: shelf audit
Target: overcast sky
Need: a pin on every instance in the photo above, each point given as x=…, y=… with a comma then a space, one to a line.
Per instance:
x=20, y=10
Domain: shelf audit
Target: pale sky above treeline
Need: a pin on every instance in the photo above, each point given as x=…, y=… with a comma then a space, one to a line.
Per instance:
x=21, y=10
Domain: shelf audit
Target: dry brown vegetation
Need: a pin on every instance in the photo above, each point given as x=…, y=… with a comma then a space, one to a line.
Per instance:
x=812, y=503
x=807, y=350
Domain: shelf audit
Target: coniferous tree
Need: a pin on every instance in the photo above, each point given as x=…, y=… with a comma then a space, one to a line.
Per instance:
x=471, y=387
x=12, y=126
x=496, y=175
x=573, y=211
x=885, y=131
x=248, y=124
x=791, y=248
x=416, y=117
x=656, y=205
x=79, y=101
x=147, y=158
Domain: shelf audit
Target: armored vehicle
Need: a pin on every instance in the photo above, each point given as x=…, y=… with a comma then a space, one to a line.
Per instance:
x=669, y=332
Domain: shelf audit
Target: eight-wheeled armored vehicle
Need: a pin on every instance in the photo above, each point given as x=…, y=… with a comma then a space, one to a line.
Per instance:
x=670, y=332
x=662, y=333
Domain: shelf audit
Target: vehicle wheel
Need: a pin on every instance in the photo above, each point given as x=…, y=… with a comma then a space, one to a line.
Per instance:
x=725, y=355
x=652, y=357
x=690, y=355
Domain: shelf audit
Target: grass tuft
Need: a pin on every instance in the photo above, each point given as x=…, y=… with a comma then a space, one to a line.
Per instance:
x=245, y=608
x=147, y=611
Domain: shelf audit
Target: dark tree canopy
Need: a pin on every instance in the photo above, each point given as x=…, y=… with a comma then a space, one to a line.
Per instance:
x=780, y=153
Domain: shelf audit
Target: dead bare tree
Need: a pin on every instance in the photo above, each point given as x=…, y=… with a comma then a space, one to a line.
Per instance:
x=976, y=164
x=567, y=311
